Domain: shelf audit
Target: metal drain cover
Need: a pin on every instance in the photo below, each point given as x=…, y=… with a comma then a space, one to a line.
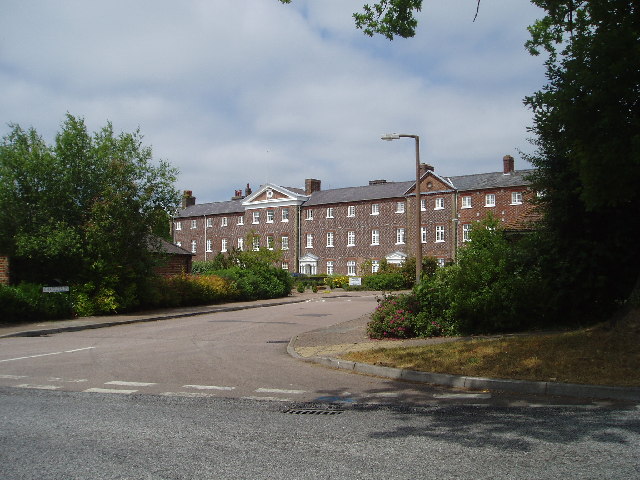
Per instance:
x=313, y=411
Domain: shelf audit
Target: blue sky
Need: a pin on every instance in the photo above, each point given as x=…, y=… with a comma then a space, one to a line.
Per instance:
x=235, y=92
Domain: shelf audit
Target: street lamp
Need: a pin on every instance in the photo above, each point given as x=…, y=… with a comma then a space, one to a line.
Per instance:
x=394, y=136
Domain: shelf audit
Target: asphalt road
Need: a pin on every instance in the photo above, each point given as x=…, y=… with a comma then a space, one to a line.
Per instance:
x=67, y=435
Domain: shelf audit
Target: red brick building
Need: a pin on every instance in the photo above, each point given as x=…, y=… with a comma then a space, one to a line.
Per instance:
x=338, y=230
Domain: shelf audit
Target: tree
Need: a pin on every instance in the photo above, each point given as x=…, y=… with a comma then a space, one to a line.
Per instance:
x=587, y=128
x=82, y=210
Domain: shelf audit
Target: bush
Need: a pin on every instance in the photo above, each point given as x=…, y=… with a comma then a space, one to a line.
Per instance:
x=385, y=281
x=337, y=281
x=26, y=302
x=393, y=317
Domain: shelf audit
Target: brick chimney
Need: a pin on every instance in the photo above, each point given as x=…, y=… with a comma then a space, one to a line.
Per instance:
x=247, y=191
x=424, y=168
x=377, y=182
x=311, y=185
x=188, y=200
x=508, y=164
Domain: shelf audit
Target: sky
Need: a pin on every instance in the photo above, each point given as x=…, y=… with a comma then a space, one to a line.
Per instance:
x=232, y=92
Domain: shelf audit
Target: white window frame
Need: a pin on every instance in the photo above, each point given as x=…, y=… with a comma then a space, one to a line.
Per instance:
x=256, y=217
x=423, y=234
x=308, y=214
x=466, y=201
x=241, y=220
x=284, y=216
x=194, y=246
x=375, y=237
x=284, y=242
x=441, y=262
x=400, y=207
x=270, y=215
x=375, y=266
x=309, y=240
x=209, y=245
x=240, y=243
x=224, y=221
x=351, y=268
x=351, y=238
x=375, y=209
x=270, y=242
x=285, y=265
x=490, y=200
x=209, y=222
x=329, y=212
x=225, y=245
x=439, y=204
x=439, y=233
x=516, y=198
x=330, y=239
x=178, y=225
x=194, y=224
x=400, y=236
x=423, y=204
x=351, y=211
x=329, y=267
x=466, y=232
x=255, y=243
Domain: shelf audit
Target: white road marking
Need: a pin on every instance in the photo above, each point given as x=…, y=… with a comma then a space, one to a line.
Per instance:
x=461, y=395
x=268, y=399
x=38, y=387
x=13, y=377
x=277, y=390
x=67, y=380
x=45, y=354
x=208, y=387
x=109, y=390
x=188, y=394
x=130, y=384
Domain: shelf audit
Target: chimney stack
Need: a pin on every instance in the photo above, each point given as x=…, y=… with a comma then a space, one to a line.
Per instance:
x=311, y=185
x=188, y=200
x=508, y=164
x=424, y=168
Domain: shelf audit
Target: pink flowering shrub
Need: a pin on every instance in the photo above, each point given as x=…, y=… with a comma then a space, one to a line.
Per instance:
x=393, y=317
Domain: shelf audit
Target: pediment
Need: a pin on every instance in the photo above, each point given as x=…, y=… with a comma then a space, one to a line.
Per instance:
x=309, y=257
x=396, y=257
x=271, y=194
x=431, y=182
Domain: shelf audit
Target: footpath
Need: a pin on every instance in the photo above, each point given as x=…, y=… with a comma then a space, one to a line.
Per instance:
x=325, y=346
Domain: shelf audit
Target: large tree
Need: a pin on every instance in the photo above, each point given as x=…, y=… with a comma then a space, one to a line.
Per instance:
x=81, y=211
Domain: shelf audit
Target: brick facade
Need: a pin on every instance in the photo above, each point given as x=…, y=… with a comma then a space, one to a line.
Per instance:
x=4, y=270
x=333, y=230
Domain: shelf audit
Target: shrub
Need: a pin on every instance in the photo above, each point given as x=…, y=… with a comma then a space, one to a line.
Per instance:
x=26, y=302
x=393, y=317
x=337, y=281
x=385, y=281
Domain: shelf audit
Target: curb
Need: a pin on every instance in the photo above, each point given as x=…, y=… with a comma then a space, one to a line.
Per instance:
x=599, y=392
x=36, y=332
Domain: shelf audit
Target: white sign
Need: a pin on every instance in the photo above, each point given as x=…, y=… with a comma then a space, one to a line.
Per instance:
x=54, y=289
x=355, y=281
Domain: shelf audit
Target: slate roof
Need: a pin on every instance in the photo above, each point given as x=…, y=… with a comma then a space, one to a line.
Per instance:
x=215, y=208
x=160, y=245
x=480, y=181
x=369, y=192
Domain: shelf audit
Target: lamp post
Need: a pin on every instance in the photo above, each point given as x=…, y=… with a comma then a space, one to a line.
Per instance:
x=394, y=136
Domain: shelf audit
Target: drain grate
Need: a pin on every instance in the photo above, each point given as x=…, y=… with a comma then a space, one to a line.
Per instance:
x=313, y=411
x=278, y=341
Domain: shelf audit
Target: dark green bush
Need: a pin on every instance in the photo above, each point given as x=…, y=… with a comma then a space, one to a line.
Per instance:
x=385, y=281
x=26, y=302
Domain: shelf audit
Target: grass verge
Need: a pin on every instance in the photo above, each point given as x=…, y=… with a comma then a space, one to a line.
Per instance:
x=599, y=355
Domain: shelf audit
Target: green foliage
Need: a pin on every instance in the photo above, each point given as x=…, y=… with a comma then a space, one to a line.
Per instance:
x=384, y=281
x=393, y=317
x=26, y=302
x=495, y=286
x=91, y=201
x=337, y=281
x=587, y=127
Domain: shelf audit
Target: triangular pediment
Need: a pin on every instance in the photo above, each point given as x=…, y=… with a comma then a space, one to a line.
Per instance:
x=396, y=257
x=271, y=194
x=309, y=257
x=431, y=182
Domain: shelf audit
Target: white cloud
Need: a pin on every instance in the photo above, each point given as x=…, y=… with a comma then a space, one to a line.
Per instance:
x=235, y=92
